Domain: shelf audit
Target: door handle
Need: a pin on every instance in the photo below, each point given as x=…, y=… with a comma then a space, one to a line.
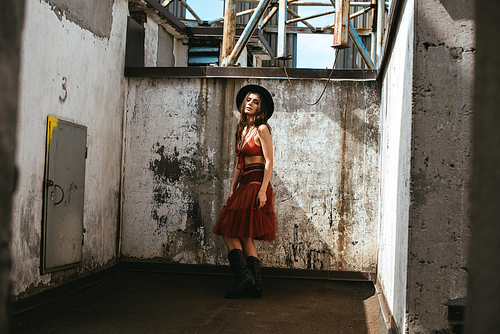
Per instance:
x=50, y=183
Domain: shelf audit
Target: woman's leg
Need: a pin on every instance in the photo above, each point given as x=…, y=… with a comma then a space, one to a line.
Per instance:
x=243, y=276
x=253, y=264
x=232, y=243
x=248, y=247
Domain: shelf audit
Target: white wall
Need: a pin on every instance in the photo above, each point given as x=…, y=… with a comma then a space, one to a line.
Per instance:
x=395, y=154
x=69, y=73
x=179, y=155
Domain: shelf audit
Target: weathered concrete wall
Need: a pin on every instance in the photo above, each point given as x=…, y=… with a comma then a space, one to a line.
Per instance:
x=179, y=154
x=395, y=156
x=150, y=43
x=11, y=24
x=441, y=156
x=166, y=56
x=95, y=16
x=483, y=305
x=75, y=74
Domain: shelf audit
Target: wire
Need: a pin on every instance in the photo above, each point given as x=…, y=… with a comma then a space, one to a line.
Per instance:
x=324, y=89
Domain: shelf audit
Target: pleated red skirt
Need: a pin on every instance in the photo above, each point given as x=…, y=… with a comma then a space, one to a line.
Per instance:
x=241, y=216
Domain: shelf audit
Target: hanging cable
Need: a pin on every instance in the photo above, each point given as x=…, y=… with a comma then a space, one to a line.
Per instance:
x=324, y=89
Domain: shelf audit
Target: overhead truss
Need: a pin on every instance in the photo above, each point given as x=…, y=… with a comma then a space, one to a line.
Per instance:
x=342, y=28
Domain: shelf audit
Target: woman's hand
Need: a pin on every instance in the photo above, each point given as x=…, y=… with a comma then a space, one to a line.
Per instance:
x=261, y=199
x=229, y=196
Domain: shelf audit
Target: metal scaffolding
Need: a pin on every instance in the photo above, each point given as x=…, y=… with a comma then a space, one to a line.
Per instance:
x=342, y=28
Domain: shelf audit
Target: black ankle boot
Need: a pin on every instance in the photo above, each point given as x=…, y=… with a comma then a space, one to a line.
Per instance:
x=243, y=277
x=254, y=266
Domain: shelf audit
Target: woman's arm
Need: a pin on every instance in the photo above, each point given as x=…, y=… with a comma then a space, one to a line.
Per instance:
x=267, y=149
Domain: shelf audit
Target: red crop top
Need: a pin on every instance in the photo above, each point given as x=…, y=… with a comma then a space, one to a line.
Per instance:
x=250, y=149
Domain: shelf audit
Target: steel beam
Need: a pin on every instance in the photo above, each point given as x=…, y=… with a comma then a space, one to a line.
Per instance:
x=165, y=3
x=380, y=27
x=268, y=17
x=229, y=32
x=191, y=11
x=310, y=16
x=360, y=46
x=304, y=30
x=282, y=30
x=245, y=36
x=341, y=28
x=291, y=12
x=245, y=12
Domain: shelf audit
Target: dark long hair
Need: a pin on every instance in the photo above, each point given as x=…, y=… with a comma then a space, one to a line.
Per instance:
x=244, y=120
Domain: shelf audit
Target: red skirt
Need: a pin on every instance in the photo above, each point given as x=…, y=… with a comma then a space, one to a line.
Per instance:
x=241, y=216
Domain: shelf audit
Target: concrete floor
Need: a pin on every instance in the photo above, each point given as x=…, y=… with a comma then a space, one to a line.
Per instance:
x=143, y=302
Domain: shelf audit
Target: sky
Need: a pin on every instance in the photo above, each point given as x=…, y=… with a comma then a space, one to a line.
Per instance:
x=314, y=50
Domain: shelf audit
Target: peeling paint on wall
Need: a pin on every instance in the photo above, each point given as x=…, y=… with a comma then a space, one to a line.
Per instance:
x=180, y=154
x=95, y=16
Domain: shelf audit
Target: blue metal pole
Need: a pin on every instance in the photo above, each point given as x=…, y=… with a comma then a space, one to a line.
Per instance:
x=360, y=46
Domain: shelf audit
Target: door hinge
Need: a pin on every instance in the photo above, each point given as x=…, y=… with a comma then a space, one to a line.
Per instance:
x=86, y=150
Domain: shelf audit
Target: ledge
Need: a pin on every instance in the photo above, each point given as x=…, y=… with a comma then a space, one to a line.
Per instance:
x=249, y=72
x=266, y=271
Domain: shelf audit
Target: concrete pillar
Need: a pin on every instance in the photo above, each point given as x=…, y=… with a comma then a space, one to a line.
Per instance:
x=442, y=109
x=484, y=262
x=11, y=22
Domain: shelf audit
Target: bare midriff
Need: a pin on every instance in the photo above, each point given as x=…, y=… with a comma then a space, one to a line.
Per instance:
x=256, y=159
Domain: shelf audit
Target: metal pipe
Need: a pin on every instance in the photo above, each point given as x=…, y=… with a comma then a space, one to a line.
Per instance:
x=191, y=11
x=380, y=27
x=359, y=13
x=291, y=12
x=245, y=36
x=305, y=30
x=341, y=35
x=229, y=32
x=268, y=17
x=328, y=27
x=310, y=16
x=281, y=30
x=245, y=12
x=361, y=48
x=373, y=34
x=166, y=3
x=307, y=3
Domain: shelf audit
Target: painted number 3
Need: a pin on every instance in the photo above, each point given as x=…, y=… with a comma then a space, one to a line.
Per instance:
x=62, y=99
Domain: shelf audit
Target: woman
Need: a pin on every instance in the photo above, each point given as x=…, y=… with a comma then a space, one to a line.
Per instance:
x=249, y=210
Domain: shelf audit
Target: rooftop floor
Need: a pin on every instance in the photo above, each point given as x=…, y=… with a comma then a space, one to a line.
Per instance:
x=145, y=302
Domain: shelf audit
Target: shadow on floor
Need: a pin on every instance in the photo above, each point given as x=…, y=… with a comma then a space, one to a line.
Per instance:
x=143, y=302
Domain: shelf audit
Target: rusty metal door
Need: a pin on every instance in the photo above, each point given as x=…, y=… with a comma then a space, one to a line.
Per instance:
x=62, y=235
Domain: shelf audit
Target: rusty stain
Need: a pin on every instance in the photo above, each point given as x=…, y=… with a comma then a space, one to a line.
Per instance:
x=343, y=204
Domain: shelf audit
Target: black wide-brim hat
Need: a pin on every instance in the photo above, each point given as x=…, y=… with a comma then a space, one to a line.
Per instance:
x=265, y=96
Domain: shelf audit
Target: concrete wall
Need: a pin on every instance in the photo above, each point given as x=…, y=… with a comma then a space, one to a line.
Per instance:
x=483, y=305
x=395, y=156
x=179, y=154
x=75, y=73
x=443, y=79
x=11, y=21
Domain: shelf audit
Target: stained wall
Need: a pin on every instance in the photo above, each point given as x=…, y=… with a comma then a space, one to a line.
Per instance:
x=442, y=114
x=395, y=155
x=179, y=155
x=74, y=72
